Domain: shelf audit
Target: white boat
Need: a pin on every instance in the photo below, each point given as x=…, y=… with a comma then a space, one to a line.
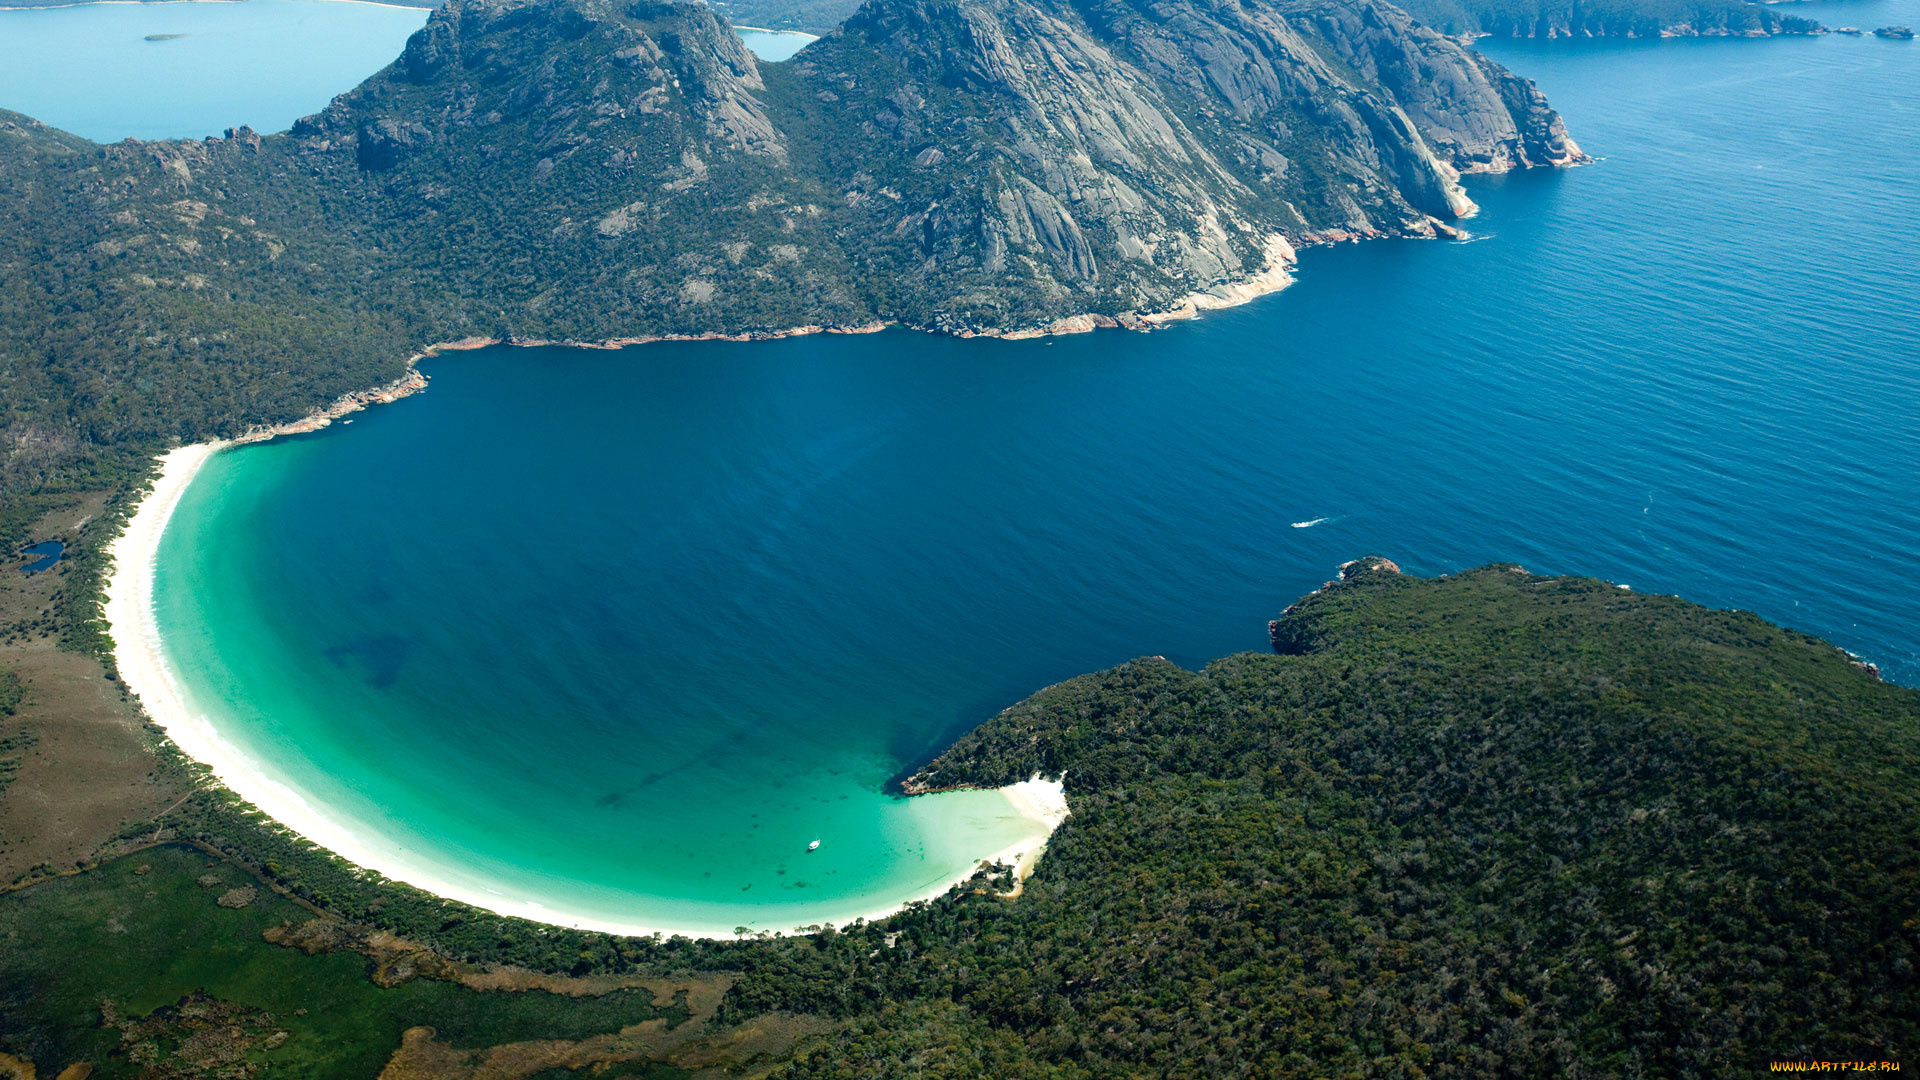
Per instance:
x=813, y=846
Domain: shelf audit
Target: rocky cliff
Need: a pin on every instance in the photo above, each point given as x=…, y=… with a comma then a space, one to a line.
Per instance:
x=1114, y=156
x=984, y=165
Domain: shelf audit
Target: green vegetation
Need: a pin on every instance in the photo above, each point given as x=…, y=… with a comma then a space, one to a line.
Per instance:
x=1608, y=18
x=1488, y=824
x=587, y=170
x=107, y=945
x=11, y=743
x=811, y=16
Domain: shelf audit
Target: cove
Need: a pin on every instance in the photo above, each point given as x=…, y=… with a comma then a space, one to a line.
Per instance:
x=619, y=633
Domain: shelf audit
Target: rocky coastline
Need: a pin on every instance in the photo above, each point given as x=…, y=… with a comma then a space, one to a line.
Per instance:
x=411, y=383
x=1282, y=259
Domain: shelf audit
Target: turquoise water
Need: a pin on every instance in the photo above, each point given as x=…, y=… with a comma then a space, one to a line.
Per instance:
x=90, y=70
x=773, y=46
x=623, y=631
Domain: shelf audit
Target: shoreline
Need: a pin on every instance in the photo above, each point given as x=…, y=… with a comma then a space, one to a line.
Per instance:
x=140, y=659
x=1281, y=258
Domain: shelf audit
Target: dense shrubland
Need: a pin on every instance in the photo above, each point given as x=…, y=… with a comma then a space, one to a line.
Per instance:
x=1489, y=824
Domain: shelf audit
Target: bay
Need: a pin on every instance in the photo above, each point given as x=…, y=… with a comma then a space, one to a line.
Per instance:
x=619, y=632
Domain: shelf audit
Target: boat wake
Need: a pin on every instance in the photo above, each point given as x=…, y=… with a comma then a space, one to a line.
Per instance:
x=1310, y=524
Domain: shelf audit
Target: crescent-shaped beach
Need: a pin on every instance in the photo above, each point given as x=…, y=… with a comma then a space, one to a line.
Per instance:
x=141, y=658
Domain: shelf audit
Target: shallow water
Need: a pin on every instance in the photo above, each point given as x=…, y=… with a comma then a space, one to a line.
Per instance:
x=623, y=631
x=89, y=69
x=773, y=46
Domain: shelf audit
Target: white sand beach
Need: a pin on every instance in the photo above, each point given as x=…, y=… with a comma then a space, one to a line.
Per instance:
x=142, y=664
x=141, y=661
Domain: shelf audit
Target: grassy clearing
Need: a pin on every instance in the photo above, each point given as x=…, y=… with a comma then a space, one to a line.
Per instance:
x=120, y=943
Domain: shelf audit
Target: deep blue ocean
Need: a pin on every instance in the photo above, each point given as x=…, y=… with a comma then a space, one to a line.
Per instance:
x=627, y=628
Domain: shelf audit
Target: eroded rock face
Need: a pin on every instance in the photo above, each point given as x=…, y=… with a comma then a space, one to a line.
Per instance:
x=1473, y=113
x=1009, y=158
x=1130, y=153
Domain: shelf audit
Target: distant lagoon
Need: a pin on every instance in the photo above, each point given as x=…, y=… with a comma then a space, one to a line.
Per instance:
x=773, y=46
x=90, y=69
x=621, y=632
x=111, y=71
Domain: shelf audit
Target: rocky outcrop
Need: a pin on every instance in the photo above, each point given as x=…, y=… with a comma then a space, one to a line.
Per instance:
x=569, y=72
x=972, y=166
x=245, y=136
x=384, y=142
x=1475, y=114
x=1294, y=637
x=1126, y=154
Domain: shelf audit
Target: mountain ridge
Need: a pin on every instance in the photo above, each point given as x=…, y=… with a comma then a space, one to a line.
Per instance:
x=587, y=171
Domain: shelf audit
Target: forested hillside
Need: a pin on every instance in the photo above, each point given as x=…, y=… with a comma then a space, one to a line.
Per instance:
x=1500, y=18
x=1610, y=18
x=1489, y=824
